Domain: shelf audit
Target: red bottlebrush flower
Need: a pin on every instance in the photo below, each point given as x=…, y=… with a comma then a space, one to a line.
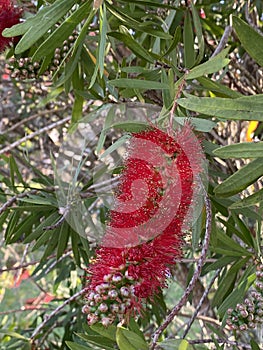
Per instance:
x=9, y=16
x=146, y=227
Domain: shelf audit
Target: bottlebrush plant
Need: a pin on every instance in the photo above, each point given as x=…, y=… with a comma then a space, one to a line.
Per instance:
x=104, y=74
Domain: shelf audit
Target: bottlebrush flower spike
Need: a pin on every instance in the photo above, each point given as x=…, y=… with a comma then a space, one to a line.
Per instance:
x=9, y=16
x=145, y=231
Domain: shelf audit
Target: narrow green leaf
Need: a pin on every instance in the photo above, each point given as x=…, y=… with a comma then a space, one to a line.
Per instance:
x=128, y=340
x=21, y=28
x=24, y=227
x=50, y=220
x=63, y=239
x=241, y=150
x=254, y=345
x=251, y=40
x=14, y=335
x=245, y=108
x=235, y=297
x=216, y=87
x=115, y=146
x=199, y=124
x=253, y=199
x=133, y=45
x=188, y=37
x=241, y=179
x=213, y=65
x=44, y=23
x=226, y=284
x=130, y=126
x=109, y=332
x=199, y=33
x=98, y=340
x=77, y=346
x=175, y=41
x=138, y=84
x=62, y=32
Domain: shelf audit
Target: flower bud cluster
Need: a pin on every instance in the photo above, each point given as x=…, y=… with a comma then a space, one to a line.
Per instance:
x=23, y=68
x=249, y=315
x=109, y=301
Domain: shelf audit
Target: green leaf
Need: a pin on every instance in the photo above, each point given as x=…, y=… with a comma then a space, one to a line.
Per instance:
x=244, y=108
x=226, y=284
x=188, y=37
x=43, y=22
x=241, y=150
x=50, y=220
x=128, y=340
x=175, y=41
x=98, y=340
x=253, y=199
x=14, y=335
x=254, y=345
x=62, y=32
x=130, y=126
x=227, y=246
x=77, y=346
x=241, y=179
x=63, y=239
x=199, y=124
x=199, y=33
x=216, y=87
x=107, y=332
x=251, y=40
x=135, y=47
x=115, y=146
x=138, y=84
x=213, y=65
x=236, y=296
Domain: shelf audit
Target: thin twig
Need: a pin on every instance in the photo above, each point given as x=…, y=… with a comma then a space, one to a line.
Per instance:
x=175, y=103
x=53, y=313
x=31, y=117
x=223, y=41
x=195, y=277
x=21, y=263
x=57, y=261
x=23, y=309
x=224, y=341
x=14, y=268
x=60, y=221
x=201, y=317
x=13, y=199
x=34, y=134
x=197, y=309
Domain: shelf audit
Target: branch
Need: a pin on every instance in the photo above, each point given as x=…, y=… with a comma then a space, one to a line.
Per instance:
x=56, y=311
x=12, y=200
x=34, y=134
x=25, y=120
x=195, y=277
x=200, y=303
x=23, y=309
x=223, y=41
